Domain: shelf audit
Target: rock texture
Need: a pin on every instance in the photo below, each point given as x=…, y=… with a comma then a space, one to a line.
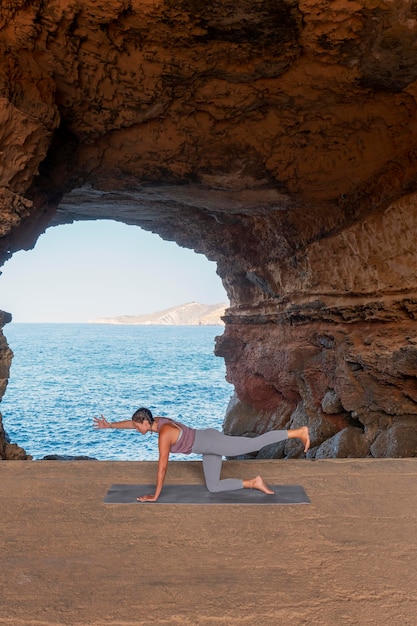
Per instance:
x=277, y=138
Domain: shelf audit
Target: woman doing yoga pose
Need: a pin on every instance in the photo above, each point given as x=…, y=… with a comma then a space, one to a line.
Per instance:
x=212, y=444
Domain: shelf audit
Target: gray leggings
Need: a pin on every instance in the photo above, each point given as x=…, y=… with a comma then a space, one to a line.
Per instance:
x=213, y=444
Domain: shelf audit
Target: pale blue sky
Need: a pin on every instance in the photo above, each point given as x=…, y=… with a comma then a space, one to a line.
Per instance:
x=82, y=271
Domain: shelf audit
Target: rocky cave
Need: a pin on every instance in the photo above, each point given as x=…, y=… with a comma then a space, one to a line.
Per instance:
x=278, y=138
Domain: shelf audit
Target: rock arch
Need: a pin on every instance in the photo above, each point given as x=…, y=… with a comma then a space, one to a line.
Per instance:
x=279, y=139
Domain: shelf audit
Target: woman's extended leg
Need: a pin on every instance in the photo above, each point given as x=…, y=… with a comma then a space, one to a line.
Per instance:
x=211, y=441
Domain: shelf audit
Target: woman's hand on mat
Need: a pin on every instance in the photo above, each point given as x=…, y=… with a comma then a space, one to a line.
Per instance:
x=101, y=422
x=150, y=497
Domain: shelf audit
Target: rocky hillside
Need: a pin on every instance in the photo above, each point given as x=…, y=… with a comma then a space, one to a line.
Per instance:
x=189, y=314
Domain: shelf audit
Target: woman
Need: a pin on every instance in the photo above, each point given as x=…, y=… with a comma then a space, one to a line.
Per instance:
x=212, y=444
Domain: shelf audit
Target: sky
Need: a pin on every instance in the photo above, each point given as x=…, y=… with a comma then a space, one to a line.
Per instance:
x=79, y=272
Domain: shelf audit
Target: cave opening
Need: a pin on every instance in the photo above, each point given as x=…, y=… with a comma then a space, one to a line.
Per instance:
x=73, y=359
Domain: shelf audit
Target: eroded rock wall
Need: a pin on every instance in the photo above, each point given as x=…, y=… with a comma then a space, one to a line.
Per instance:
x=8, y=451
x=358, y=377
x=277, y=138
x=336, y=348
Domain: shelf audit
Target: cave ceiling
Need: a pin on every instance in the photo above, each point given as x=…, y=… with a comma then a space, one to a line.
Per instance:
x=216, y=126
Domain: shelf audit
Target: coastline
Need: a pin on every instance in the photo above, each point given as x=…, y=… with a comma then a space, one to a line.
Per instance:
x=348, y=557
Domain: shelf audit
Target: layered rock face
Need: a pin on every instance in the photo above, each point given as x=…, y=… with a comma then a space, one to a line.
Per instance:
x=277, y=138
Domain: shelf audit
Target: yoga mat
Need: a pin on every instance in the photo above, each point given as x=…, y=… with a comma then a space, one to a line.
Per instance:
x=198, y=494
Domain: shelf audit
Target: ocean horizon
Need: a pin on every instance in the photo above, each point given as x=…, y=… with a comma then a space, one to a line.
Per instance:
x=64, y=374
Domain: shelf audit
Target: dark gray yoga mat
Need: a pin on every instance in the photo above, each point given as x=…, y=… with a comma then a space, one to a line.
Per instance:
x=198, y=494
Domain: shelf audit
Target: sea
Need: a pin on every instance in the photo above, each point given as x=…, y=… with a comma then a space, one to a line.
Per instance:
x=62, y=375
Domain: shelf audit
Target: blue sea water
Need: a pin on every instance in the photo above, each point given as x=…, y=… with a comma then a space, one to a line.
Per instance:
x=64, y=374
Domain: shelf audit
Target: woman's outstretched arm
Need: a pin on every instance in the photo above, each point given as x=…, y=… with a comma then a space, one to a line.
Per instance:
x=101, y=422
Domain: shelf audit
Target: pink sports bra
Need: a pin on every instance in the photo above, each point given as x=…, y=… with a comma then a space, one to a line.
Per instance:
x=185, y=441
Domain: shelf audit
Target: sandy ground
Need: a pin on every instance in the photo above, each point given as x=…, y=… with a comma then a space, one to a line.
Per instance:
x=348, y=558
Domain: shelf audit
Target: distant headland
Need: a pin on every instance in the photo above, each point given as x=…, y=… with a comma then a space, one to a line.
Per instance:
x=189, y=314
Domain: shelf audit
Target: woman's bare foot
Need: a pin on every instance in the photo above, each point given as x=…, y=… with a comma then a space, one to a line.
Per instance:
x=301, y=433
x=305, y=437
x=257, y=483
